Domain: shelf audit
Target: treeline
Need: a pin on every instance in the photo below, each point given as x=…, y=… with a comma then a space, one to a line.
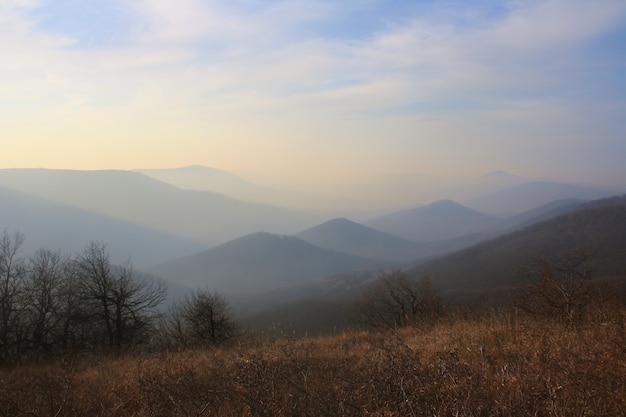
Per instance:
x=52, y=303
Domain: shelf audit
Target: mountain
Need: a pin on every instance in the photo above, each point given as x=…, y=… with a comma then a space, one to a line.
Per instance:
x=485, y=271
x=54, y=226
x=545, y=212
x=203, y=216
x=202, y=178
x=478, y=275
x=526, y=196
x=195, y=177
x=259, y=262
x=598, y=227
x=440, y=220
x=346, y=236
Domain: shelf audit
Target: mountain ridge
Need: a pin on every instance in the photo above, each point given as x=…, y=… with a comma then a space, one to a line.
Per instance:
x=56, y=226
x=598, y=227
x=204, y=216
x=347, y=236
x=259, y=262
x=442, y=219
x=529, y=195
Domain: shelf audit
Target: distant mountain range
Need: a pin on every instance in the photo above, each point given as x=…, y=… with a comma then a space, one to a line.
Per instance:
x=528, y=195
x=449, y=219
x=390, y=192
x=54, y=226
x=598, y=227
x=201, y=178
x=440, y=220
x=207, y=239
x=479, y=274
x=336, y=254
x=203, y=216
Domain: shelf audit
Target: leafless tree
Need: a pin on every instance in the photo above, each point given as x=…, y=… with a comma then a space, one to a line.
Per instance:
x=559, y=287
x=12, y=275
x=396, y=300
x=77, y=331
x=47, y=273
x=123, y=304
x=201, y=319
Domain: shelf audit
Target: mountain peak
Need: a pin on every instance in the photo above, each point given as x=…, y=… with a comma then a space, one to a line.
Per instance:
x=443, y=219
x=260, y=262
x=344, y=235
x=446, y=207
x=444, y=203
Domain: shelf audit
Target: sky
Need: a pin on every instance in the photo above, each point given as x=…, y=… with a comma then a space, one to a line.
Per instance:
x=314, y=92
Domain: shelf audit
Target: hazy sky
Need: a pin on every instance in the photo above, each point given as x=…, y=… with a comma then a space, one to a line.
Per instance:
x=310, y=90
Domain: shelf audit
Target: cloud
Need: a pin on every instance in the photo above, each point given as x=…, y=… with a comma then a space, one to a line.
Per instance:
x=224, y=23
x=544, y=25
x=289, y=69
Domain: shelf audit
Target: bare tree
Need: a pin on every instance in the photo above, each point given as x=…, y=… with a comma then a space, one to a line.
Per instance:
x=123, y=304
x=77, y=330
x=560, y=287
x=396, y=300
x=47, y=273
x=201, y=319
x=12, y=274
x=136, y=300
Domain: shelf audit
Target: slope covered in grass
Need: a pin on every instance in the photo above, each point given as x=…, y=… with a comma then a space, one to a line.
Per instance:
x=500, y=365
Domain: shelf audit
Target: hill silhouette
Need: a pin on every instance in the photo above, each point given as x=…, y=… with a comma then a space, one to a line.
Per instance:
x=526, y=196
x=598, y=227
x=544, y=212
x=46, y=224
x=480, y=274
x=202, y=178
x=344, y=235
x=259, y=262
x=204, y=216
x=444, y=219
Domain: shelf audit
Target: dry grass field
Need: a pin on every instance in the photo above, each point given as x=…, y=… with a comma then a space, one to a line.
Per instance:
x=499, y=364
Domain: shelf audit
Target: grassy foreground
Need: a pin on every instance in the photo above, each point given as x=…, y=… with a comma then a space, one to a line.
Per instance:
x=496, y=365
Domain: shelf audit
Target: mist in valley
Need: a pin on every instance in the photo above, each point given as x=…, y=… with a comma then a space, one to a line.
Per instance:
x=185, y=227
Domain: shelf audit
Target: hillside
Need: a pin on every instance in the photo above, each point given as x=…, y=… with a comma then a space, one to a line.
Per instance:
x=544, y=212
x=257, y=263
x=344, y=235
x=440, y=220
x=526, y=196
x=599, y=227
x=501, y=365
x=55, y=226
x=204, y=216
x=201, y=178
x=482, y=272
x=350, y=237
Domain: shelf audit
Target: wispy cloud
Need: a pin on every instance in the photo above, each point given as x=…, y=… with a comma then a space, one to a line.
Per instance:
x=255, y=46
x=285, y=64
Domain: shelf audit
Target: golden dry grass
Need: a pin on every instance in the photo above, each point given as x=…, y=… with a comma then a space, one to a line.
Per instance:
x=497, y=365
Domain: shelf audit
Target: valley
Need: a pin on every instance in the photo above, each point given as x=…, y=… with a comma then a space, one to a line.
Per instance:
x=263, y=257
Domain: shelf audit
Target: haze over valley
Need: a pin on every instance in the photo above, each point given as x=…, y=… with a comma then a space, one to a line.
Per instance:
x=312, y=207
x=268, y=254
x=279, y=151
